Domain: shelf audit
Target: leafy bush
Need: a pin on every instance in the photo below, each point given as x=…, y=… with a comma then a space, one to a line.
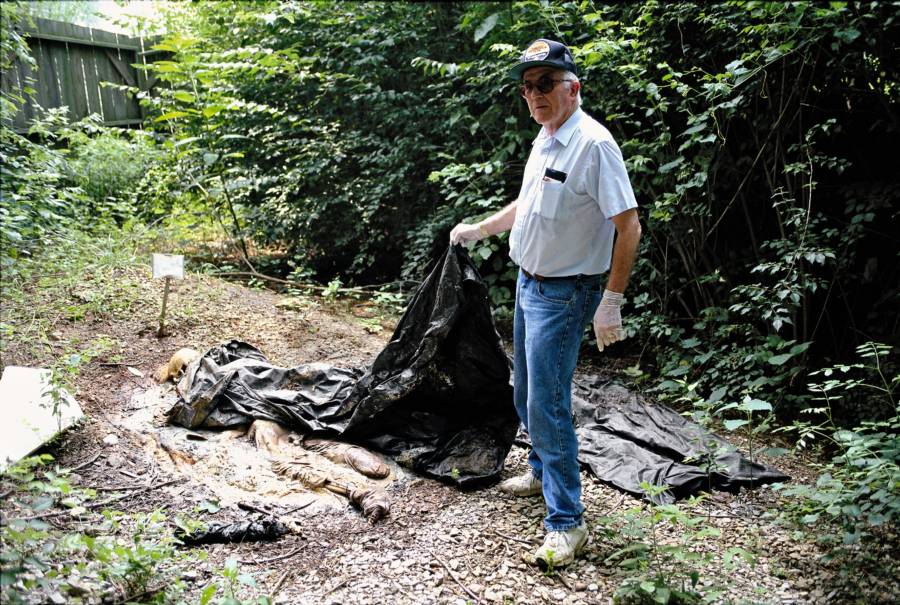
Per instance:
x=353, y=136
x=108, y=165
x=37, y=197
x=654, y=571
x=859, y=488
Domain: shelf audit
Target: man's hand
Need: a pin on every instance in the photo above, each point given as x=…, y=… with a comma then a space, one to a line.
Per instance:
x=608, y=320
x=467, y=233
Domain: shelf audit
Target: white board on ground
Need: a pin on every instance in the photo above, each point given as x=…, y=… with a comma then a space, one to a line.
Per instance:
x=27, y=415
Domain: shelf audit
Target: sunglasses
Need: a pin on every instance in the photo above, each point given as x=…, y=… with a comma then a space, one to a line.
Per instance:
x=543, y=85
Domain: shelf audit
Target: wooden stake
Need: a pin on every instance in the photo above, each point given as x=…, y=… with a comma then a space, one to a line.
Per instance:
x=162, y=316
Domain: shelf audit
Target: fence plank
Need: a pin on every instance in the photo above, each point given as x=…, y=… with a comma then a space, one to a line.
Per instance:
x=49, y=90
x=47, y=29
x=11, y=85
x=71, y=63
x=107, y=95
x=85, y=55
x=27, y=78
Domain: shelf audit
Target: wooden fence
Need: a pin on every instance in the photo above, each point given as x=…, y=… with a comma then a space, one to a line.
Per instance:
x=72, y=62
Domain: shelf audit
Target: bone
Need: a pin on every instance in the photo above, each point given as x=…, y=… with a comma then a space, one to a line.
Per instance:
x=268, y=435
x=359, y=459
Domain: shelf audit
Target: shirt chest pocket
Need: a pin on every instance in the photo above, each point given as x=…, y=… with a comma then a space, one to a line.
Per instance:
x=559, y=201
x=550, y=199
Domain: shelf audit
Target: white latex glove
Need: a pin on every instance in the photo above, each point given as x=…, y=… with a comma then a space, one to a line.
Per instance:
x=467, y=233
x=608, y=320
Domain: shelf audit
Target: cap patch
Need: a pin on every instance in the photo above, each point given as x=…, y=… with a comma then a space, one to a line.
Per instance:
x=537, y=51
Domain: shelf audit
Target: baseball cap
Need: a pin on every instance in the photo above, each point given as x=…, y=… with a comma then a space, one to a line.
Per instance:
x=544, y=52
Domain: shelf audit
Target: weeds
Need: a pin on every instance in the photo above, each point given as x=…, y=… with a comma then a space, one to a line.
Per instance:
x=654, y=570
x=76, y=277
x=859, y=488
x=113, y=556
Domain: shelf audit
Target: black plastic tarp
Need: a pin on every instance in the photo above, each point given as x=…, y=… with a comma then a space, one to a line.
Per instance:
x=438, y=400
x=625, y=441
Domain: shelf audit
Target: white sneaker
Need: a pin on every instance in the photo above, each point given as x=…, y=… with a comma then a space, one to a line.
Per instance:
x=523, y=485
x=561, y=547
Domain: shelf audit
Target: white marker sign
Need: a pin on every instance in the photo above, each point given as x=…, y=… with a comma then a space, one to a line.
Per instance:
x=168, y=265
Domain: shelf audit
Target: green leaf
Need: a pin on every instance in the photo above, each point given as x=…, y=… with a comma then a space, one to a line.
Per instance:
x=734, y=424
x=207, y=594
x=183, y=95
x=670, y=166
x=211, y=110
x=209, y=506
x=755, y=405
x=717, y=395
x=486, y=26
x=171, y=116
x=662, y=596
x=777, y=360
x=774, y=452
x=186, y=141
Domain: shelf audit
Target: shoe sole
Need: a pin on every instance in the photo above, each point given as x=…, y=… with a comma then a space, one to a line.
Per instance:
x=544, y=566
x=521, y=494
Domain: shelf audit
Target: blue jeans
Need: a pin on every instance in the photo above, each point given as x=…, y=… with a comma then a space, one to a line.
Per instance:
x=549, y=322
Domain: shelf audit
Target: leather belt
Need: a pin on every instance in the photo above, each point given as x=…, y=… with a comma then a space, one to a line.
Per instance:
x=537, y=277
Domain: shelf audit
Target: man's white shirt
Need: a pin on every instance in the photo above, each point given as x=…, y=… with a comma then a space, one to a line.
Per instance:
x=564, y=229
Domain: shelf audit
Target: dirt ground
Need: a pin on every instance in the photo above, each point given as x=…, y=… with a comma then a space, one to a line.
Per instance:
x=439, y=544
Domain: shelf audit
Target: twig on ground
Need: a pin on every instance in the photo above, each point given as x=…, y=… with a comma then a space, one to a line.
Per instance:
x=337, y=586
x=563, y=581
x=296, y=508
x=359, y=290
x=508, y=537
x=127, y=474
x=280, y=582
x=250, y=507
x=86, y=464
x=455, y=579
x=272, y=559
x=117, y=488
x=616, y=505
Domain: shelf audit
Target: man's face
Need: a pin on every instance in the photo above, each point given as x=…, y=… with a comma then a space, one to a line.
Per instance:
x=550, y=108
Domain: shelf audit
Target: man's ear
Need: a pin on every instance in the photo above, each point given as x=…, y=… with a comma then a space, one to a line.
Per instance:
x=574, y=87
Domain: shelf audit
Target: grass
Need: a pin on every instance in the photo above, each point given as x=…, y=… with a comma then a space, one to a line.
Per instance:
x=74, y=278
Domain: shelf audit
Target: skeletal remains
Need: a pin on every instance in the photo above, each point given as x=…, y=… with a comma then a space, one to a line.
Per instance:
x=291, y=462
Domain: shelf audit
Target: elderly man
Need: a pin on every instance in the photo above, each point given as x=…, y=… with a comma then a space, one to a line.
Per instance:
x=575, y=201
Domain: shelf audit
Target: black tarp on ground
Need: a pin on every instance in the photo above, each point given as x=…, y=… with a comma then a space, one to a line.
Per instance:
x=625, y=441
x=437, y=399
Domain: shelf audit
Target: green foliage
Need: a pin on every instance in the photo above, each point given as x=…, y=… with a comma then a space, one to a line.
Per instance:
x=37, y=198
x=76, y=277
x=39, y=559
x=108, y=164
x=71, y=176
x=119, y=557
x=858, y=491
x=654, y=571
x=315, y=120
x=355, y=135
